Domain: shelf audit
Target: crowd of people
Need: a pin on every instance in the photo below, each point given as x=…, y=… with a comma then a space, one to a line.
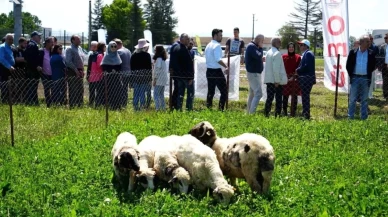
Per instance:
x=113, y=69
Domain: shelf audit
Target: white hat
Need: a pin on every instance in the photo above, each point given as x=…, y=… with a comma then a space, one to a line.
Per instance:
x=142, y=43
x=304, y=41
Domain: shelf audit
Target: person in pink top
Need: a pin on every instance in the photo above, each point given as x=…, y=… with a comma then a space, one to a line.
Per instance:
x=45, y=56
x=95, y=76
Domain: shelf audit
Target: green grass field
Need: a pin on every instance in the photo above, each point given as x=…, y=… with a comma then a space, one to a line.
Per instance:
x=61, y=163
x=323, y=168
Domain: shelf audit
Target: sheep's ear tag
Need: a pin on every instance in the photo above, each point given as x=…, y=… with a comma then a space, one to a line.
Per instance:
x=215, y=190
x=247, y=148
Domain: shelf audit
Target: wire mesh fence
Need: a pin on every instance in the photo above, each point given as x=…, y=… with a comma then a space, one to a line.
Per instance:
x=140, y=90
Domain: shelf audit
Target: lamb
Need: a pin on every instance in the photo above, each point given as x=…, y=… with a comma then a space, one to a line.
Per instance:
x=248, y=156
x=156, y=159
x=167, y=168
x=201, y=163
x=125, y=159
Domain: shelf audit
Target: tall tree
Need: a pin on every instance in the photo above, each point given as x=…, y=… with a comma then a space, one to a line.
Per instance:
x=30, y=22
x=137, y=22
x=115, y=18
x=307, y=15
x=352, y=39
x=97, y=22
x=160, y=20
x=288, y=34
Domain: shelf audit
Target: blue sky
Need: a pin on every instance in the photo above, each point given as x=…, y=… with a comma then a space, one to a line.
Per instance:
x=201, y=16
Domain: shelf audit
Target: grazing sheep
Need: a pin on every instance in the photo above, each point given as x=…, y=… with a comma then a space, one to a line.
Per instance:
x=147, y=148
x=156, y=159
x=201, y=163
x=125, y=158
x=167, y=168
x=248, y=156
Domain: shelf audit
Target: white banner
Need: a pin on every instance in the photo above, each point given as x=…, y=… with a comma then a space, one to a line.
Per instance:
x=335, y=19
x=200, y=81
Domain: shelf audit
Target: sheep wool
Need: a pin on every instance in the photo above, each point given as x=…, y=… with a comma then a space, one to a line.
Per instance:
x=125, y=157
x=201, y=163
x=248, y=156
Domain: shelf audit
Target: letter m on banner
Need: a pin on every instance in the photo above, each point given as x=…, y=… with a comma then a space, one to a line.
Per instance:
x=336, y=41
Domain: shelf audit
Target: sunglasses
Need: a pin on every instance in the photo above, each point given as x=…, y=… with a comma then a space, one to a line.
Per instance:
x=385, y=37
x=60, y=48
x=114, y=46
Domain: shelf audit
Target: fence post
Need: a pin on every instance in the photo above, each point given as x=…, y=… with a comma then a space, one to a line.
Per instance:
x=106, y=100
x=10, y=89
x=227, y=83
x=336, y=86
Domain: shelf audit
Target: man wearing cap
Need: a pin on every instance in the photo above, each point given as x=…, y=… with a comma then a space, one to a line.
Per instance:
x=125, y=56
x=34, y=69
x=306, y=75
x=7, y=63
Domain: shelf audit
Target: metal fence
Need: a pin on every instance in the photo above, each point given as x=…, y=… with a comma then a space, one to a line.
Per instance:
x=144, y=91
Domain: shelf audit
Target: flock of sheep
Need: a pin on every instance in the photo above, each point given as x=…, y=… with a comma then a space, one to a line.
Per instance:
x=199, y=159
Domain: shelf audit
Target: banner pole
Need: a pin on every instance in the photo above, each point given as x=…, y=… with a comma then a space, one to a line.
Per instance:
x=336, y=86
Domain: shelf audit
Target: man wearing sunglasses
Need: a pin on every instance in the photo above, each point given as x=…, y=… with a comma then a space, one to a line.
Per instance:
x=383, y=65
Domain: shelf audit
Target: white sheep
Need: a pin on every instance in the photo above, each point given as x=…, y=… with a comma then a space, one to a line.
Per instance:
x=125, y=157
x=248, y=156
x=201, y=163
x=156, y=159
x=167, y=169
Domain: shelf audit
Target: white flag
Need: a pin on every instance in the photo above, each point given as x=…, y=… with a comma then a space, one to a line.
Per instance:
x=336, y=41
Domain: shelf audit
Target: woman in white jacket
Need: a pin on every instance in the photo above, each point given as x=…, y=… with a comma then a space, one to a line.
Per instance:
x=159, y=76
x=274, y=77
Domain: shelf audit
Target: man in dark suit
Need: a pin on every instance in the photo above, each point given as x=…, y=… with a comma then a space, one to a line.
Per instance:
x=306, y=75
x=383, y=65
x=360, y=65
x=34, y=68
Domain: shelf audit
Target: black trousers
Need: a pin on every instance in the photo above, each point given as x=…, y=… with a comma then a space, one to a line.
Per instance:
x=76, y=91
x=216, y=78
x=274, y=92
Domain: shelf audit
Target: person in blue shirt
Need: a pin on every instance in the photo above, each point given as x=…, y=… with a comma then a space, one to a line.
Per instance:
x=7, y=62
x=58, y=68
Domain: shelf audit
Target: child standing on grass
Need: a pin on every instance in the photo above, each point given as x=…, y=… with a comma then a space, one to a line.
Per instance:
x=159, y=77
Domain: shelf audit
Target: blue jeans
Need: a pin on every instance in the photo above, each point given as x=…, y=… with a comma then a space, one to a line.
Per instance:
x=182, y=85
x=359, y=87
x=139, y=92
x=159, y=98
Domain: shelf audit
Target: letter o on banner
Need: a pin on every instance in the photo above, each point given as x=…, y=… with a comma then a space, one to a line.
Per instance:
x=342, y=23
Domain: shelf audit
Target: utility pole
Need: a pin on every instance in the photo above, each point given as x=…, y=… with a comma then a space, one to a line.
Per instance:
x=253, y=27
x=17, y=13
x=90, y=24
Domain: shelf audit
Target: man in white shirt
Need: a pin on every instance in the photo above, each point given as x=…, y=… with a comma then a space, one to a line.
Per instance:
x=274, y=77
x=215, y=76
